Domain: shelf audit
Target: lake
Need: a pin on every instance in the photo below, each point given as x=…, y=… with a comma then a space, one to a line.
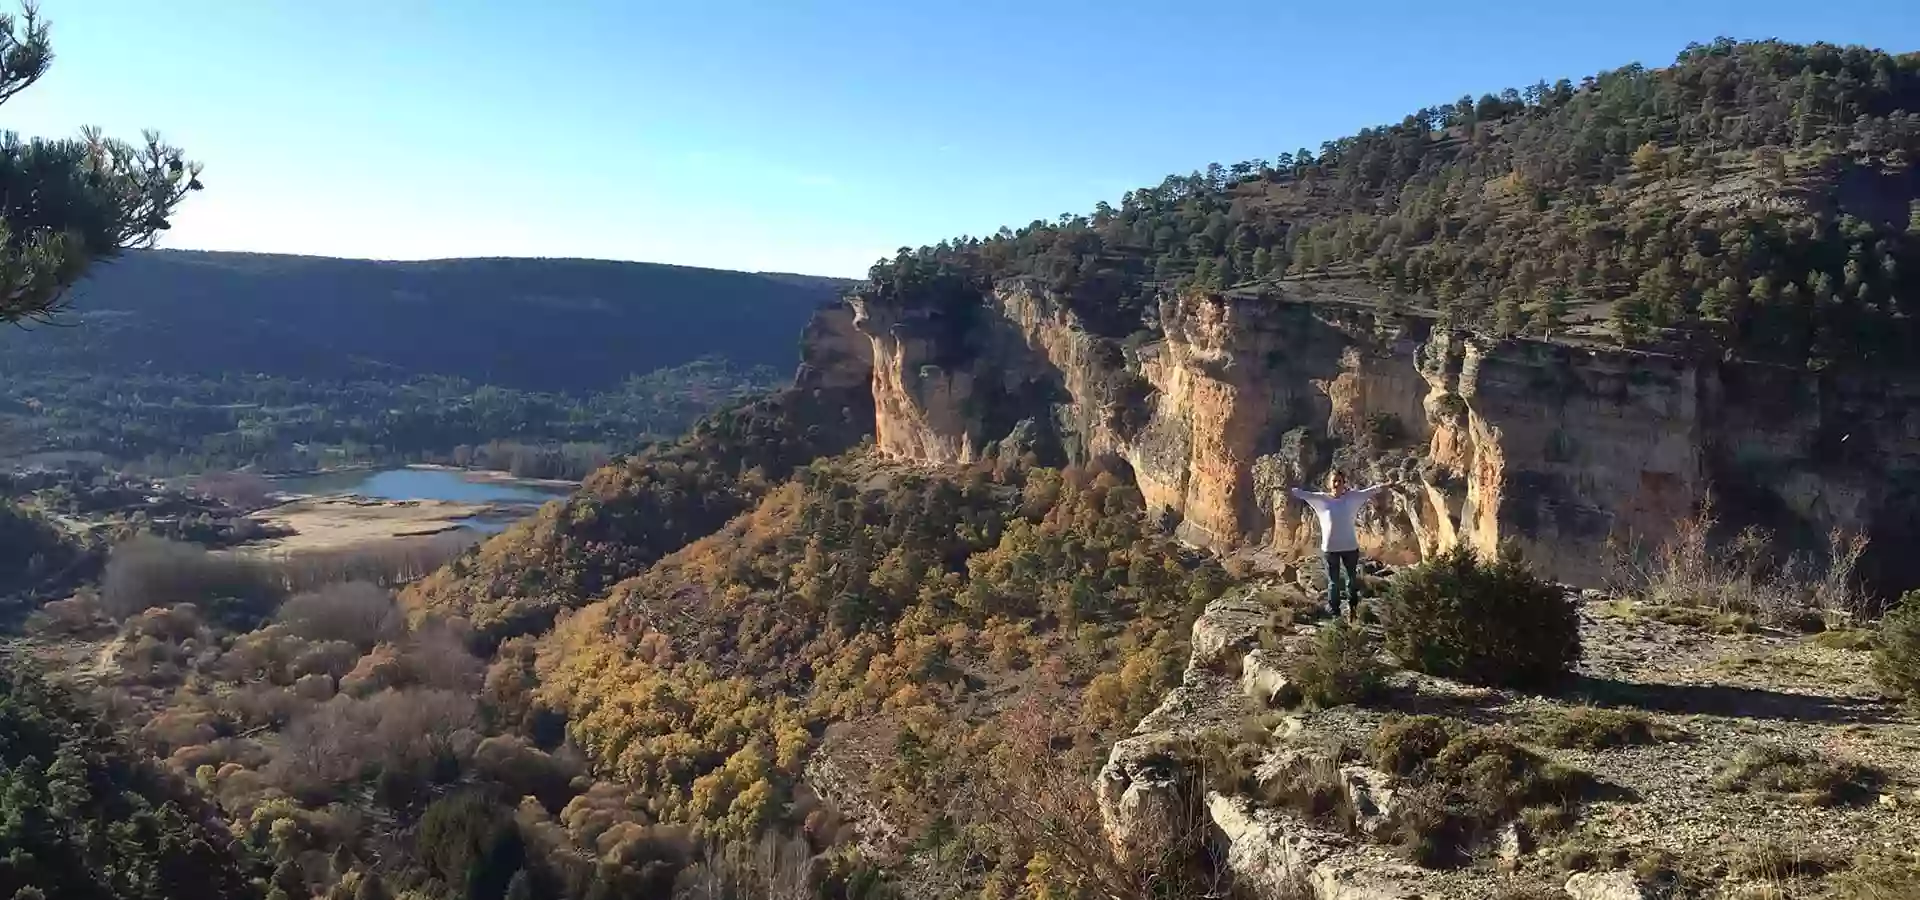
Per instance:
x=516, y=498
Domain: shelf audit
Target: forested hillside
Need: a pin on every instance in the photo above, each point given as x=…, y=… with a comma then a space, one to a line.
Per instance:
x=189, y=361
x=640, y=508
x=1756, y=196
x=557, y=325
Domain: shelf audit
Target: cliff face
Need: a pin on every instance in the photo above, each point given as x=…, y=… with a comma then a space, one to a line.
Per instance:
x=833, y=354
x=1556, y=447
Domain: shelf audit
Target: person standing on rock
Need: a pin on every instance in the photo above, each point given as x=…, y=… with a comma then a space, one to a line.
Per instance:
x=1339, y=543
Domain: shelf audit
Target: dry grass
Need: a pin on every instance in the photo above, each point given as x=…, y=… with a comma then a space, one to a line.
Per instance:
x=1651, y=865
x=1716, y=621
x=1465, y=783
x=1315, y=789
x=1859, y=639
x=1776, y=861
x=1597, y=728
x=1531, y=893
x=1228, y=760
x=1772, y=769
x=1882, y=876
x=1744, y=575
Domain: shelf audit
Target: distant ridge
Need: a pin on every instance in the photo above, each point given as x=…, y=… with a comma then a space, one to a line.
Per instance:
x=565, y=325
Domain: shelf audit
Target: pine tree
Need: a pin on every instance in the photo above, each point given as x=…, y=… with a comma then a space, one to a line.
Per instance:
x=1716, y=302
x=1550, y=310
x=1508, y=318
x=1262, y=263
x=69, y=203
x=1631, y=316
x=1205, y=275
x=1226, y=273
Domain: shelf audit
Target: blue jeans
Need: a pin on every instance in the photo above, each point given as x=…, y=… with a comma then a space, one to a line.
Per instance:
x=1343, y=563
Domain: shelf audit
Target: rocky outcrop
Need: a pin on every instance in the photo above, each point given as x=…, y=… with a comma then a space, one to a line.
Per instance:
x=834, y=354
x=1231, y=398
x=1146, y=793
x=1157, y=805
x=1298, y=813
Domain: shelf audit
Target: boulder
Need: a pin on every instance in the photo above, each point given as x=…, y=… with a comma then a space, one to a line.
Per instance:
x=1264, y=681
x=1149, y=805
x=1370, y=797
x=1275, y=856
x=1228, y=627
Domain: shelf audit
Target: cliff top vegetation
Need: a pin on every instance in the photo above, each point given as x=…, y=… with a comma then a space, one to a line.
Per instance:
x=1759, y=194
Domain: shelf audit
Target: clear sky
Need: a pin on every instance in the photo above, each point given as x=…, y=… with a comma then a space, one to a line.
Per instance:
x=794, y=136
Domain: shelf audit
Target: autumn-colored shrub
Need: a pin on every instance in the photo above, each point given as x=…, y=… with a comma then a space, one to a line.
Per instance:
x=891, y=598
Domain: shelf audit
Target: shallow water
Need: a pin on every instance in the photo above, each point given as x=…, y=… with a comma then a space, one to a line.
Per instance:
x=515, y=499
x=421, y=484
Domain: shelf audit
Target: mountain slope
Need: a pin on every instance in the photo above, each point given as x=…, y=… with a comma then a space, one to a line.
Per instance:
x=560, y=325
x=1756, y=196
x=629, y=514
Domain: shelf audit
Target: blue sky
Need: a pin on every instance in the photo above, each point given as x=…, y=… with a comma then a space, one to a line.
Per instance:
x=795, y=136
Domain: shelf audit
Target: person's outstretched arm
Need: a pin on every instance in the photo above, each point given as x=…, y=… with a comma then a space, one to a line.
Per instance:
x=1367, y=493
x=1303, y=495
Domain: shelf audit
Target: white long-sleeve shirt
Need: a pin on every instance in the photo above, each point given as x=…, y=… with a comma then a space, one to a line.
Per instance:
x=1337, y=515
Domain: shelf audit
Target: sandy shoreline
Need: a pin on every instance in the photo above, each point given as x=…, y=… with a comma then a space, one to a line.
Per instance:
x=338, y=521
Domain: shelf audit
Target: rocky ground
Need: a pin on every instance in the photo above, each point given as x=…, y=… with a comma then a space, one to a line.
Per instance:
x=1660, y=818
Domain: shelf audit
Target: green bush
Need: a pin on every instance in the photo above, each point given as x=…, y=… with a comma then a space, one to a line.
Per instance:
x=1494, y=622
x=1896, y=652
x=1343, y=667
x=1402, y=745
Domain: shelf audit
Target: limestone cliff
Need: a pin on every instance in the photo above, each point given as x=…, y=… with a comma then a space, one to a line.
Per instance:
x=1227, y=399
x=833, y=355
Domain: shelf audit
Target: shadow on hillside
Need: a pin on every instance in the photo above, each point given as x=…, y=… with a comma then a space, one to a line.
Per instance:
x=1724, y=700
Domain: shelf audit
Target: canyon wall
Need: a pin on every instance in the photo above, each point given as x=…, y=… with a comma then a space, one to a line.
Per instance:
x=1557, y=447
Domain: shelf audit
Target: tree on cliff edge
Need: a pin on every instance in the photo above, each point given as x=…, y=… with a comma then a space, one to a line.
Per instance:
x=65, y=204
